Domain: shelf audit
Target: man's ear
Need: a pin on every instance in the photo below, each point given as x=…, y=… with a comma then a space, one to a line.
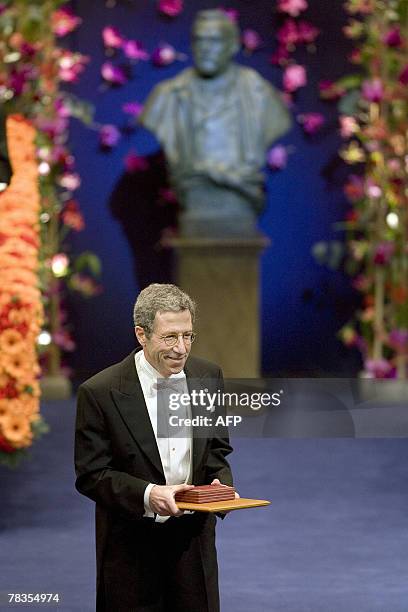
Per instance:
x=140, y=335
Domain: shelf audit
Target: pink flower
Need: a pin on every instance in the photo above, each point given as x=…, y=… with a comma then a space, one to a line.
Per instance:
x=64, y=21
x=373, y=190
x=294, y=77
x=52, y=127
x=292, y=7
x=61, y=108
x=113, y=74
x=383, y=253
x=307, y=32
x=133, y=49
x=378, y=368
x=109, y=136
x=72, y=216
x=393, y=37
x=164, y=55
x=348, y=126
x=280, y=56
x=63, y=339
x=373, y=90
x=132, y=108
x=288, y=34
x=251, y=40
x=403, y=76
x=398, y=339
x=277, y=157
x=70, y=181
x=71, y=65
x=112, y=38
x=171, y=8
x=311, y=122
x=135, y=163
x=361, y=283
x=231, y=13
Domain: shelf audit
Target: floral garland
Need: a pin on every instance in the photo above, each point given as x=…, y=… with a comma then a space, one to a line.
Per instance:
x=21, y=311
x=33, y=71
x=374, y=124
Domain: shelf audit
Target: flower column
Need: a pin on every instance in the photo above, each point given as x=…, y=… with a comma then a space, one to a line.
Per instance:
x=20, y=298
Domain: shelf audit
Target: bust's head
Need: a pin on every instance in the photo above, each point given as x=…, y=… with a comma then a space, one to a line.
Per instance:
x=215, y=40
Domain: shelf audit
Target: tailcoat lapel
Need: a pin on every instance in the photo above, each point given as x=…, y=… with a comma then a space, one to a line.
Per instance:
x=129, y=400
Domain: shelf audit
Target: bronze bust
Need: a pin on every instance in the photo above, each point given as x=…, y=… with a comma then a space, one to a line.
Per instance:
x=215, y=122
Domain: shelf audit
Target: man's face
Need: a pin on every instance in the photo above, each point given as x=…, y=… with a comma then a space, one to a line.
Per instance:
x=167, y=360
x=212, y=47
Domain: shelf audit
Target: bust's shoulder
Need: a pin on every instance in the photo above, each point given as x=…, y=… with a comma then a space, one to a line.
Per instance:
x=252, y=78
x=176, y=83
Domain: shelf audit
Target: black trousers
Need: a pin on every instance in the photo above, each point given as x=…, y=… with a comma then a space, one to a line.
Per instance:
x=162, y=567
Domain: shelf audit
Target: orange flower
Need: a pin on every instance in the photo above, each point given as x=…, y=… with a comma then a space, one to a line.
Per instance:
x=14, y=365
x=19, y=263
x=16, y=429
x=11, y=342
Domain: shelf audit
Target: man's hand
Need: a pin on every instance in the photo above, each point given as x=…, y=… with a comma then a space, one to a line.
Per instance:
x=161, y=499
x=217, y=482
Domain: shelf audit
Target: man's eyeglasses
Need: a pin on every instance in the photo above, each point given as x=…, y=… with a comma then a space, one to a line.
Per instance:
x=172, y=339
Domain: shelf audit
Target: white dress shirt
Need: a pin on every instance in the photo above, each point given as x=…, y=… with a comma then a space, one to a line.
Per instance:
x=175, y=453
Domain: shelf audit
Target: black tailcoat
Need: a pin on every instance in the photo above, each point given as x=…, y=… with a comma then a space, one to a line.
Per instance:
x=142, y=565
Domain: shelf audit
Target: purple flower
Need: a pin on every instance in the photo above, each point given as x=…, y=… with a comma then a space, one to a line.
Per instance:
x=373, y=90
x=393, y=37
x=231, y=13
x=113, y=74
x=18, y=79
x=164, y=55
x=135, y=163
x=109, y=136
x=403, y=76
x=133, y=49
x=3, y=7
x=383, y=253
x=132, y=108
x=398, y=339
x=171, y=8
x=311, y=122
x=378, y=368
x=277, y=157
x=294, y=77
x=251, y=40
x=112, y=38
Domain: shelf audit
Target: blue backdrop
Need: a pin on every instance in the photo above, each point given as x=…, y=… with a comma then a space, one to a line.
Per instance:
x=303, y=304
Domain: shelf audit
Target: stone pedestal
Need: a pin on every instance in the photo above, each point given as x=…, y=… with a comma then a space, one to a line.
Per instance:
x=222, y=276
x=56, y=387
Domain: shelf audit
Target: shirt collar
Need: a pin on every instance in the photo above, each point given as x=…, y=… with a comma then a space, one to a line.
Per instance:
x=152, y=373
